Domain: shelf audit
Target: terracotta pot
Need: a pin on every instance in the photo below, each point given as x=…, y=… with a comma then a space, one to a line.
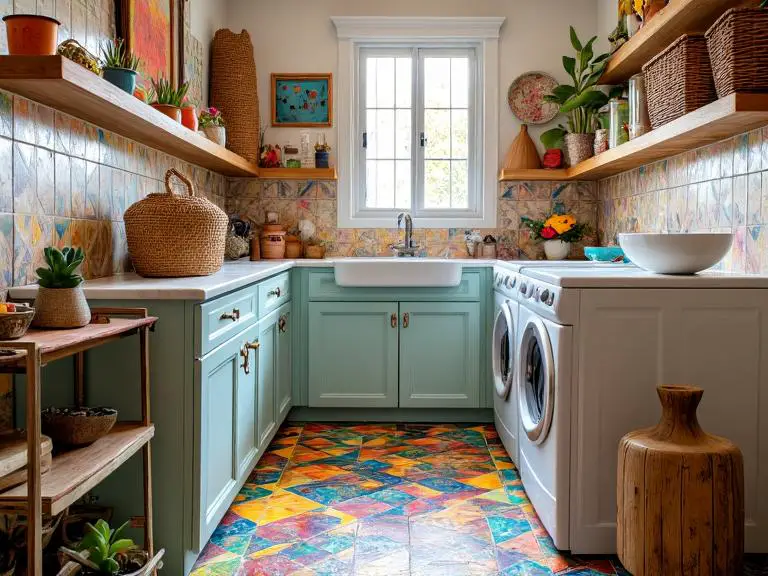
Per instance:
x=31, y=35
x=292, y=249
x=189, y=117
x=217, y=134
x=578, y=147
x=173, y=112
x=556, y=249
x=314, y=251
x=61, y=308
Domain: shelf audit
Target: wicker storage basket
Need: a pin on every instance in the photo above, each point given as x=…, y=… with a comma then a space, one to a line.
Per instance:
x=79, y=427
x=738, y=50
x=171, y=236
x=679, y=80
x=234, y=91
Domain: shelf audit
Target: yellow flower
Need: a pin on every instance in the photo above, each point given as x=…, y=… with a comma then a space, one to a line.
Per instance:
x=561, y=223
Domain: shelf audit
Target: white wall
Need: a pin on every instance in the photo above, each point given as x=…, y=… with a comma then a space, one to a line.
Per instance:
x=207, y=16
x=607, y=18
x=298, y=36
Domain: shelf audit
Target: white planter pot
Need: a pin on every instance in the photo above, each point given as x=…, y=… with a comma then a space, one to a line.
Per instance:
x=556, y=249
x=216, y=134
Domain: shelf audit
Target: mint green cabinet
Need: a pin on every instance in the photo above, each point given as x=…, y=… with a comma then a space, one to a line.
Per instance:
x=353, y=354
x=284, y=392
x=267, y=380
x=439, y=354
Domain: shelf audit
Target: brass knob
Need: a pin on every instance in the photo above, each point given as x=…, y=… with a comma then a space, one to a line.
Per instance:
x=282, y=324
x=234, y=315
x=246, y=355
x=393, y=320
x=406, y=319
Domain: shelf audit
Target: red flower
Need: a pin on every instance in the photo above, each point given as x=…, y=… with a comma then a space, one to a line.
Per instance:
x=306, y=106
x=548, y=233
x=285, y=87
x=313, y=94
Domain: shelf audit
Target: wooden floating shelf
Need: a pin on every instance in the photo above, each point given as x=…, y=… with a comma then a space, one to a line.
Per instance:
x=677, y=18
x=77, y=471
x=729, y=116
x=297, y=173
x=61, y=84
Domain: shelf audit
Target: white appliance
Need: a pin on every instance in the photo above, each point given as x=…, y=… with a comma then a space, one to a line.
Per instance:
x=604, y=339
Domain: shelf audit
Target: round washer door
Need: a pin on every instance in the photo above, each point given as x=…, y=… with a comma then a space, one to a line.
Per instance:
x=536, y=381
x=503, y=351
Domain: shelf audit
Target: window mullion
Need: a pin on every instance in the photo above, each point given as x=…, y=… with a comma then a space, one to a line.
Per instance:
x=417, y=185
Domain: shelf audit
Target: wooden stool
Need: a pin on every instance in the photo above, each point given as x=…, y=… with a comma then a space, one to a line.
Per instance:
x=680, y=495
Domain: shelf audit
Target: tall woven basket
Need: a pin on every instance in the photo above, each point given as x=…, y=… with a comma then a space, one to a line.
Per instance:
x=234, y=91
x=679, y=80
x=738, y=49
x=171, y=236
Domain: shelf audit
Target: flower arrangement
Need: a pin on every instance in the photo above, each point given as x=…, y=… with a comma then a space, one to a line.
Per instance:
x=211, y=117
x=557, y=227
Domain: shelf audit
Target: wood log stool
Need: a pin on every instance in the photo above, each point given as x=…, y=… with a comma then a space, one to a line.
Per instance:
x=680, y=495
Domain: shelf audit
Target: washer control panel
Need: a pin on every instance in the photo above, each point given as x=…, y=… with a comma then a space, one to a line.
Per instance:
x=505, y=281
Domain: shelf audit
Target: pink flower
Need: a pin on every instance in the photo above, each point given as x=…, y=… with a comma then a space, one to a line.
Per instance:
x=213, y=111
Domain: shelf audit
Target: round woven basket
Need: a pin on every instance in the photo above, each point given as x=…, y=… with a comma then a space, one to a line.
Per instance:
x=171, y=236
x=234, y=91
x=76, y=429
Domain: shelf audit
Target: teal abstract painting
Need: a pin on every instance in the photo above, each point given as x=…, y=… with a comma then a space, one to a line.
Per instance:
x=302, y=99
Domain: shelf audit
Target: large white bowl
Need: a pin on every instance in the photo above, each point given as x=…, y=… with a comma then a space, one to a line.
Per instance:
x=675, y=253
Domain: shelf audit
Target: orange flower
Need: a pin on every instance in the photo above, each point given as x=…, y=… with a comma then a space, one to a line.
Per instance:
x=561, y=223
x=297, y=89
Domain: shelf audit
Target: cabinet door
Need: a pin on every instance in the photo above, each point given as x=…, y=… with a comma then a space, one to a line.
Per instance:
x=439, y=355
x=284, y=362
x=267, y=381
x=353, y=354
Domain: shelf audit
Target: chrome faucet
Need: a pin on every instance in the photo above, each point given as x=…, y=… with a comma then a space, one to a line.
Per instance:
x=408, y=247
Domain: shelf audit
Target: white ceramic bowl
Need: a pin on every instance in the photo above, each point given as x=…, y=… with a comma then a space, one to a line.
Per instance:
x=675, y=253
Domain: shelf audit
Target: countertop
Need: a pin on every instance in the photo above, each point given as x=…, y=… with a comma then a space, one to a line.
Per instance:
x=233, y=275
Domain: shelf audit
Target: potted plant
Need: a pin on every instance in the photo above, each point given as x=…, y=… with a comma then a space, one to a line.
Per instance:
x=167, y=99
x=212, y=125
x=322, y=154
x=557, y=232
x=60, y=301
x=119, y=65
x=580, y=101
x=31, y=34
x=189, y=114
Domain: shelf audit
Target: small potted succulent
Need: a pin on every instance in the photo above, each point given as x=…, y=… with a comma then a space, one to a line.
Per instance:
x=119, y=65
x=557, y=232
x=167, y=99
x=212, y=125
x=60, y=301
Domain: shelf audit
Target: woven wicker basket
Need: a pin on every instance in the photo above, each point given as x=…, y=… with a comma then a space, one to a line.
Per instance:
x=679, y=80
x=738, y=50
x=234, y=91
x=77, y=429
x=61, y=308
x=171, y=236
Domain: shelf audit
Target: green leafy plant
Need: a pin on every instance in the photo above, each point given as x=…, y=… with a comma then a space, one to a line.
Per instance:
x=114, y=54
x=62, y=268
x=163, y=92
x=580, y=101
x=104, y=545
x=210, y=117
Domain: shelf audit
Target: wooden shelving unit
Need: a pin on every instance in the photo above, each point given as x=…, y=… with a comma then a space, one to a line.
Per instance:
x=61, y=84
x=734, y=114
x=677, y=18
x=74, y=472
x=298, y=173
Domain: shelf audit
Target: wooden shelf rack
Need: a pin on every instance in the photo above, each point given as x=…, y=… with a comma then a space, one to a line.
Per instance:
x=61, y=84
x=298, y=173
x=729, y=116
x=677, y=18
x=75, y=472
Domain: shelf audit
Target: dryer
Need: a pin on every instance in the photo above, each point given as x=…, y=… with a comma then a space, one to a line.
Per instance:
x=503, y=359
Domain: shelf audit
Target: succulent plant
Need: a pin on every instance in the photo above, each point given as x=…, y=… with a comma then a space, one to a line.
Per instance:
x=163, y=92
x=114, y=54
x=62, y=268
x=104, y=546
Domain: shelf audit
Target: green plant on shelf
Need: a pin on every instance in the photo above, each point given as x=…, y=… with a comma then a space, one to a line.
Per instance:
x=163, y=92
x=114, y=54
x=104, y=546
x=62, y=268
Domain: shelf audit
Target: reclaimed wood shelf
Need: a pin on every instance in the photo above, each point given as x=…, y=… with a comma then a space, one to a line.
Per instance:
x=61, y=84
x=677, y=18
x=298, y=173
x=75, y=472
x=729, y=116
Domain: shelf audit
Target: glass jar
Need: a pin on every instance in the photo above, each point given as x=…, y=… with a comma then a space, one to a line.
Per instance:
x=639, y=121
x=618, y=133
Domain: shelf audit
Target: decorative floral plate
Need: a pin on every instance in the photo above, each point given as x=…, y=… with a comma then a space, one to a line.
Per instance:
x=526, y=98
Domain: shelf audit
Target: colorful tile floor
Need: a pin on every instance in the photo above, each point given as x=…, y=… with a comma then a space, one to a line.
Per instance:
x=389, y=500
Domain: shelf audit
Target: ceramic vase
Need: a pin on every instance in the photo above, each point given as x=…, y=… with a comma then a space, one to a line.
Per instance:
x=217, y=134
x=123, y=78
x=522, y=153
x=61, y=308
x=189, y=117
x=578, y=147
x=556, y=249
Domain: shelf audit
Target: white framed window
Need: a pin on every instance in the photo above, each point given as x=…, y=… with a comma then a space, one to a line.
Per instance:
x=421, y=134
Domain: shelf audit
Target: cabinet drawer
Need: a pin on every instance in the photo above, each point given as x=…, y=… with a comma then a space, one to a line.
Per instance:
x=224, y=317
x=273, y=293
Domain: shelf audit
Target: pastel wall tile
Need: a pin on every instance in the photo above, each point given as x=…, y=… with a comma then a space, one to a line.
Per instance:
x=79, y=21
x=62, y=232
x=131, y=189
x=755, y=246
x=63, y=133
x=105, y=193
x=92, y=143
x=6, y=175
x=740, y=200
x=78, y=186
x=77, y=137
x=24, y=6
x=118, y=195
x=755, y=154
x=46, y=171
x=121, y=261
x=765, y=147
x=92, y=206
x=325, y=190
x=99, y=251
x=754, y=199
x=6, y=112
x=24, y=178
x=741, y=154
x=24, y=120
x=725, y=218
x=44, y=126
x=46, y=8
x=6, y=250
x=31, y=233
x=63, y=13
x=726, y=157
x=63, y=185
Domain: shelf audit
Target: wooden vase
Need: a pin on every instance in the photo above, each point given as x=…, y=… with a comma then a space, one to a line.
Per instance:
x=680, y=495
x=522, y=153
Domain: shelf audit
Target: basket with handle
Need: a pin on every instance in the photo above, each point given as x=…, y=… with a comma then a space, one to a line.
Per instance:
x=171, y=235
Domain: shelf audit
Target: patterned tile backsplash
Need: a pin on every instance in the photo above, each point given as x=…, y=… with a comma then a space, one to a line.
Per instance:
x=316, y=201
x=720, y=187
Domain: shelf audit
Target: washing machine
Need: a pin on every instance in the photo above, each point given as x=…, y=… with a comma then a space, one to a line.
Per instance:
x=503, y=355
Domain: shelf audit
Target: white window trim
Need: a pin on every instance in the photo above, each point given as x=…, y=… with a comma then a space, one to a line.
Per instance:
x=352, y=31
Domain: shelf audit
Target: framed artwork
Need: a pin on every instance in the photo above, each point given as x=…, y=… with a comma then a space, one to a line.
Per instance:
x=190, y=56
x=302, y=100
x=149, y=32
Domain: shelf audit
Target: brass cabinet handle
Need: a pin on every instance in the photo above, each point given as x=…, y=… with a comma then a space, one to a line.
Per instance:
x=406, y=319
x=234, y=315
x=282, y=324
x=245, y=352
x=275, y=292
x=393, y=320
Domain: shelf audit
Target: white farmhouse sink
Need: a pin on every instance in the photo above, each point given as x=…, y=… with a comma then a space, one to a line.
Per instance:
x=397, y=272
